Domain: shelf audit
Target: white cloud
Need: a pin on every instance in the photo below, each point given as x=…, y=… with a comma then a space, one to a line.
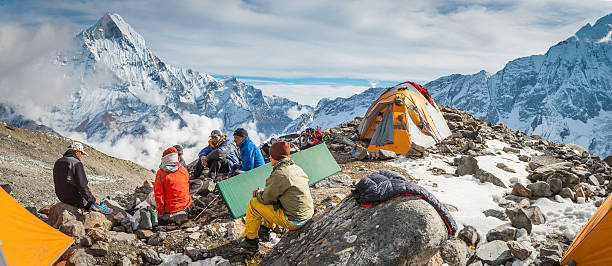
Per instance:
x=309, y=94
x=147, y=149
x=384, y=40
x=29, y=80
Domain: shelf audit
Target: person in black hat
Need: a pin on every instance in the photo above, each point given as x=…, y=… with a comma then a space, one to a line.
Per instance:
x=219, y=156
x=250, y=155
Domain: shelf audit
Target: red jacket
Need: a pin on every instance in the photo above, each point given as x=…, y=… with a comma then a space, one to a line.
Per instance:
x=172, y=189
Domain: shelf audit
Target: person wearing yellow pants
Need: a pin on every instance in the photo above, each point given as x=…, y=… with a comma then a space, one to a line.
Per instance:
x=285, y=201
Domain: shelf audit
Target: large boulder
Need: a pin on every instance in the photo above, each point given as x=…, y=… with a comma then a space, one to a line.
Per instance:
x=61, y=213
x=467, y=165
x=402, y=231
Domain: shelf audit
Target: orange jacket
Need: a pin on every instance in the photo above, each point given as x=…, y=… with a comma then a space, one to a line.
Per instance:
x=172, y=190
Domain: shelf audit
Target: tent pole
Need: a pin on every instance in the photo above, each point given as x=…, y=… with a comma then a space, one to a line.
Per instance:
x=3, y=261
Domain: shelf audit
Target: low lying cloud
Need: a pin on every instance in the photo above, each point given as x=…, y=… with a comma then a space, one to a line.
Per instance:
x=30, y=81
x=309, y=94
x=147, y=149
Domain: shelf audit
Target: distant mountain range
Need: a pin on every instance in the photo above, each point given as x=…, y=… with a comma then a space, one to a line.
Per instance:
x=564, y=95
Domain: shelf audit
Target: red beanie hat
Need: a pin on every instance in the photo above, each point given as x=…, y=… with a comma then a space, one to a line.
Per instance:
x=170, y=150
x=280, y=150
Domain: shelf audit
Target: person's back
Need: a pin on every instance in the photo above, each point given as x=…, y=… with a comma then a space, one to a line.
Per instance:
x=292, y=183
x=171, y=184
x=71, y=182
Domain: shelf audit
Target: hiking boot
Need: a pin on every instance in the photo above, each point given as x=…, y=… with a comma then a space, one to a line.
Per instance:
x=251, y=245
x=264, y=233
x=101, y=208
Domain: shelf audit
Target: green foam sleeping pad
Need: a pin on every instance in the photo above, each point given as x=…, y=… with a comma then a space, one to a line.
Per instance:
x=317, y=162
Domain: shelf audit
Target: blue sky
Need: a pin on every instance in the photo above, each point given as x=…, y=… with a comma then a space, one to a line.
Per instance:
x=306, y=50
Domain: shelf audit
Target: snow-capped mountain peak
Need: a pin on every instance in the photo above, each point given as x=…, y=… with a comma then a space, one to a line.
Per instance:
x=112, y=26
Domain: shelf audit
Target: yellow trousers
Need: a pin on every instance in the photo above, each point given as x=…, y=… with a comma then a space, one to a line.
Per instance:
x=256, y=211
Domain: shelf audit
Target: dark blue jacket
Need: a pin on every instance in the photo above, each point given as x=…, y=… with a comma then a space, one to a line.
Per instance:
x=224, y=149
x=250, y=155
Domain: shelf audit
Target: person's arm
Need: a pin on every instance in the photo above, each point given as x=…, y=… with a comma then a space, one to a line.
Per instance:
x=248, y=160
x=275, y=187
x=158, y=189
x=220, y=152
x=80, y=179
x=205, y=151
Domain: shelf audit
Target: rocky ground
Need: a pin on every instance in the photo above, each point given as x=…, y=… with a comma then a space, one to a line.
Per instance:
x=26, y=163
x=516, y=231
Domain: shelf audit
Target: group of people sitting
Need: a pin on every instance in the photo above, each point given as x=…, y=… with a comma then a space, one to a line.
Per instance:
x=285, y=200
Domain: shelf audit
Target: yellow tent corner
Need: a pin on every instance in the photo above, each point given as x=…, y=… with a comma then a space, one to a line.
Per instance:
x=593, y=243
x=25, y=239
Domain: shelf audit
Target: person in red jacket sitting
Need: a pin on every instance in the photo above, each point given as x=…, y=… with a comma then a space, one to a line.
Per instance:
x=171, y=184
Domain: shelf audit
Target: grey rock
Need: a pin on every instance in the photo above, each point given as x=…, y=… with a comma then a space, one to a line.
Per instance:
x=505, y=168
x=608, y=160
x=549, y=260
x=335, y=181
x=568, y=178
x=469, y=235
x=567, y=193
x=593, y=180
x=126, y=261
x=359, y=153
x=502, y=232
x=549, y=169
x=495, y=213
x=208, y=186
x=524, y=158
x=157, y=239
x=535, y=215
x=121, y=237
x=80, y=258
x=196, y=253
x=555, y=185
x=386, y=155
x=467, y=165
x=454, y=253
x=150, y=256
x=485, y=176
x=494, y=253
x=540, y=189
x=519, y=250
x=402, y=231
x=476, y=263
x=99, y=249
x=73, y=228
x=144, y=234
x=519, y=218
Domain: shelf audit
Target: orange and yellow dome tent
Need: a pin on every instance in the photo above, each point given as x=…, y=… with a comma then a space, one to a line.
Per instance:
x=25, y=239
x=402, y=115
x=593, y=243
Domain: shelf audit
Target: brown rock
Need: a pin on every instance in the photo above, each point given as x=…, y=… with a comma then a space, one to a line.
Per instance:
x=98, y=234
x=96, y=219
x=435, y=260
x=73, y=228
x=61, y=213
x=519, y=190
x=509, y=149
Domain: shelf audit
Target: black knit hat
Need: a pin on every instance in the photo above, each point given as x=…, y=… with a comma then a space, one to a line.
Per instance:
x=179, y=149
x=241, y=132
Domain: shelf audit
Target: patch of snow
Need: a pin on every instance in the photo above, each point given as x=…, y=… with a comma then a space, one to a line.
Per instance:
x=295, y=112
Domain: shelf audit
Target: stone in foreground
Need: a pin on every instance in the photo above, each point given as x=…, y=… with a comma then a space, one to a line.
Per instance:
x=402, y=231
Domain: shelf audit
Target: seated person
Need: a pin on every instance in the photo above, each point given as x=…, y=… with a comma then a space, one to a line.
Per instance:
x=171, y=186
x=219, y=156
x=194, y=184
x=250, y=155
x=285, y=201
x=70, y=181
